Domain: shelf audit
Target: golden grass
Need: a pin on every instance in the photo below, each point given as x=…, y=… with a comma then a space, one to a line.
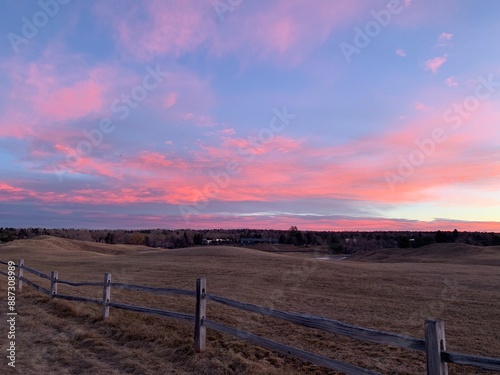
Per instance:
x=63, y=337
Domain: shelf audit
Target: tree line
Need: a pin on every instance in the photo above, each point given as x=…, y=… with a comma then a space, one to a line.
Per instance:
x=335, y=242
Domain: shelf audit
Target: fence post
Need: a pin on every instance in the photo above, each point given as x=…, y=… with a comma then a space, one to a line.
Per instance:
x=200, y=331
x=106, y=295
x=20, y=273
x=435, y=344
x=53, y=284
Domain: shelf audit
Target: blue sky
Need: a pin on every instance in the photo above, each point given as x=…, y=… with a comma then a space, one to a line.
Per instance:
x=175, y=114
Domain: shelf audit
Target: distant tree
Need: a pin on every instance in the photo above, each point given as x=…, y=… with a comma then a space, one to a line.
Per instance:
x=256, y=234
x=110, y=237
x=299, y=238
x=137, y=238
x=335, y=248
x=22, y=233
x=309, y=238
x=441, y=237
x=495, y=240
x=419, y=241
x=333, y=238
x=7, y=235
x=197, y=239
x=295, y=236
x=403, y=242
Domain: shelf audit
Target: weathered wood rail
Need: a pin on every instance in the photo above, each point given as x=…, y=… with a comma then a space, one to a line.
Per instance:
x=434, y=344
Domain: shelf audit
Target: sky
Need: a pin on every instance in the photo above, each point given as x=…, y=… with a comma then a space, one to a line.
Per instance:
x=325, y=115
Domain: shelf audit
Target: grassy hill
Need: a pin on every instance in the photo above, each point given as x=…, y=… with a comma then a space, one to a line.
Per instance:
x=449, y=253
x=53, y=245
x=62, y=337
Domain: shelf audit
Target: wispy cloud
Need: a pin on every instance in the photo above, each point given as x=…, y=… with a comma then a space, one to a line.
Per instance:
x=444, y=40
x=451, y=82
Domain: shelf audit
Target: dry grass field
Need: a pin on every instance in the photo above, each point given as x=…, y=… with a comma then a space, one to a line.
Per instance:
x=393, y=291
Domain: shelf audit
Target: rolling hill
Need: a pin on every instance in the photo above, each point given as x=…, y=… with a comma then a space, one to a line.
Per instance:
x=449, y=253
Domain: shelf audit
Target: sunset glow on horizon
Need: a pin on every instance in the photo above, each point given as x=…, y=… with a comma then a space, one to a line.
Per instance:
x=325, y=115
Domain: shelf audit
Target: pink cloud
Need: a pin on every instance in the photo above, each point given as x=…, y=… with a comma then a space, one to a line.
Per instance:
x=451, y=82
x=186, y=97
x=9, y=193
x=72, y=102
x=9, y=188
x=283, y=31
x=13, y=125
x=354, y=170
x=159, y=27
x=420, y=106
x=228, y=131
x=171, y=99
x=400, y=53
x=319, y=223
x=61, y=97
x=153, y=160
x=198, y=119
x=434, y=64
x=45, y=98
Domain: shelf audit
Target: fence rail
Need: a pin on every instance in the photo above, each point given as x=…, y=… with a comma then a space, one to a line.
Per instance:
x=485, y=363
x=35, y=286
x=150, y=289
x=288, y=350
x=434, y=344
x=169, y=314
x=37, y=273
x=70, y=283
x=329, y=325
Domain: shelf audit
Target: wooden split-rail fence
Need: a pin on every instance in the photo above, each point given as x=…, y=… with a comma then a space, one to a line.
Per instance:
x=434, y=344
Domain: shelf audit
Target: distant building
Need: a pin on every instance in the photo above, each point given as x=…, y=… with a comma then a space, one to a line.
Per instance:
x=217, y=241
x=253, y=241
